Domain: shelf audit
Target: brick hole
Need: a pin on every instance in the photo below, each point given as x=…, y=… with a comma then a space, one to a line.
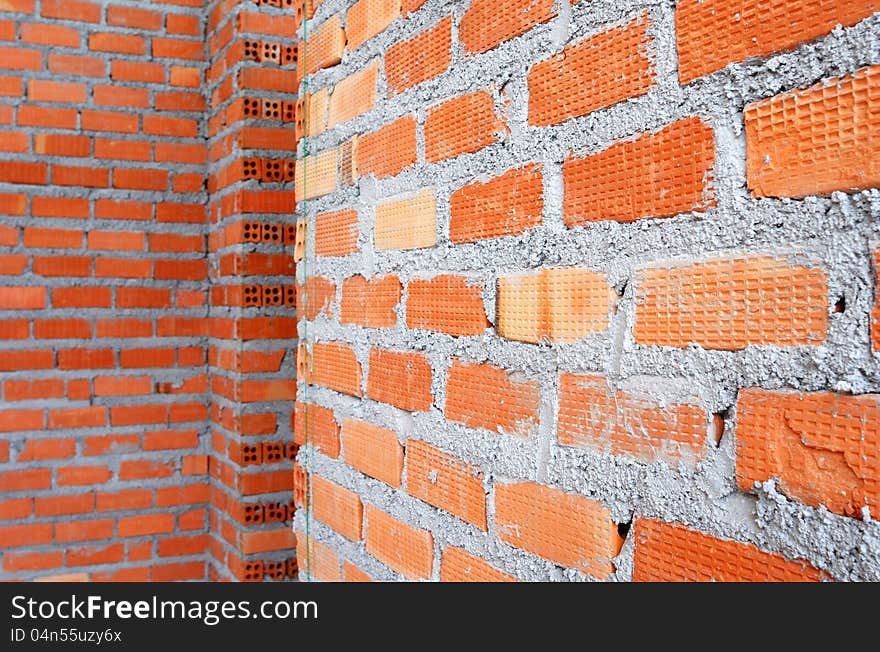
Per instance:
x=250, y=454
x=252, y=50
x=289, y=172
x=288, y=111
x=292, y=568
x=253, y=571
x=252, y=107
x=272, y=109
x=290, y=296
x=292, y=450
x=271, y=51
x=271, y=232
x=300, y=119
x=250, y=168
x=840, y=305
x=253, y=514
x=252, y=232
x=290, y=55
x=718, y=426
x=272, y=295
x=252, y=296
x=276, y=512
x=277, y=570
x=273, y=171
x=273, y=452
x=289, y=234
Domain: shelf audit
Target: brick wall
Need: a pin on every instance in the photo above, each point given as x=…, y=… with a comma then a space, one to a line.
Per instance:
x=146, y=300
x=591, y=291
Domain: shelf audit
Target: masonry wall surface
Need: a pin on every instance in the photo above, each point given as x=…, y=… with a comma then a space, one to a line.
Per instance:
x=145, y=420
x=589, y=291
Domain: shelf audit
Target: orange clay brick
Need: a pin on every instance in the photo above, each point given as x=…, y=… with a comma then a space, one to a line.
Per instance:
x=423, y=57
x=458, y=565
x=324, y=45
x=669, y=552
x=562, y=304
x=316, y=425
x=354, y=95
x=400, y=379
x=335, y=366
x=317, y=560
x=509, y=204
x=815, y=141
x=372, y=450
x=484, y=396
x=371, y=302
x=713, y=33
x=487, y=23
x=656, y=175
x=318, y=294
x=592, y=415
x=823, y=447
x=593, y=74
x=731, y=303
x=465, y=124
x=567, y=529
x=317, y=105
x=875, y=313
x=405, y=549
x=447, y=304
x=445, y=482
x=388, y=151
x=336, y=234
x=337, y=507
x=354, y=574
x=316, y=174
x=367, y=18
x=409, y=223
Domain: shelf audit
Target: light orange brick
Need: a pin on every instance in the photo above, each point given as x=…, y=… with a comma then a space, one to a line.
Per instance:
x=406, y=223
x=354, y=95
x=337, y=507
x=367, y=18
x=401, y=547
x=324, y=45
x=458, y=565
x=560, y=304
x=373, y=451
x=316, y=174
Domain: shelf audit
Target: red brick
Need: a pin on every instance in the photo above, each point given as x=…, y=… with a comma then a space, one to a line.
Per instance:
x=95, y=555
x=13, y=536
x=822, y=447
x=316, y=425
x=116, y=42
x=371, y=302
x=72, y=64
x=458, y=565
x=135, y=18
x=146, y=524
x=405, y=549
x=22, y=298
x=484, y=396
x=592, y=74
x=486, y=23
x=31, y=561
x=388, y=151
x=21, y=59
x=446, y=304
x=337, y=507
x=367, y=18
x=24, y=479
x=46, y=449
x=465, y=124
x=423, y=57
x=335, y=366
x=713, y=33
x=24, y=173
x=400, y=379
x=373, y=450
x=817, y=140
x=594, y=415
x=570, y=530
x=445, y=481
x=509, y=204
x=59, y=505
x=44, y=90
x=82, y=475
x=669, y=552
x=88, y=12
x=730, y=303
x=46, y=34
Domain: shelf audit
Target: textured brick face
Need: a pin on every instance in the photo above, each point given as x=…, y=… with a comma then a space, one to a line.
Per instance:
x=335, y=366
x=713, y=33
x=730, y=304
x=465, y=124
x=338, y=507
x=558, y=304
x=445, y=482
x=666, y=552
x=405, y=549
x=458, y=565
x=389, y=150
x=509, y=204
x=592, y=74
x=409, y=223
x=484, y=396
x=486, y=23
x=316, y=425
x=591, y=415
x=656, y=175
x=567, y=529
x=354, y=95
x=370, y=302
x=816, y=140
x=400, y=379
x=423, y=57
x=336, y=233
x=373, y=450
x=447, y=304
x=367, y=18
x=875, y=313
x=824, y=448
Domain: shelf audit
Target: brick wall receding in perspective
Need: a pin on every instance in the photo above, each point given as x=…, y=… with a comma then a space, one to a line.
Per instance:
x=439, y=290
x=591, y=291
